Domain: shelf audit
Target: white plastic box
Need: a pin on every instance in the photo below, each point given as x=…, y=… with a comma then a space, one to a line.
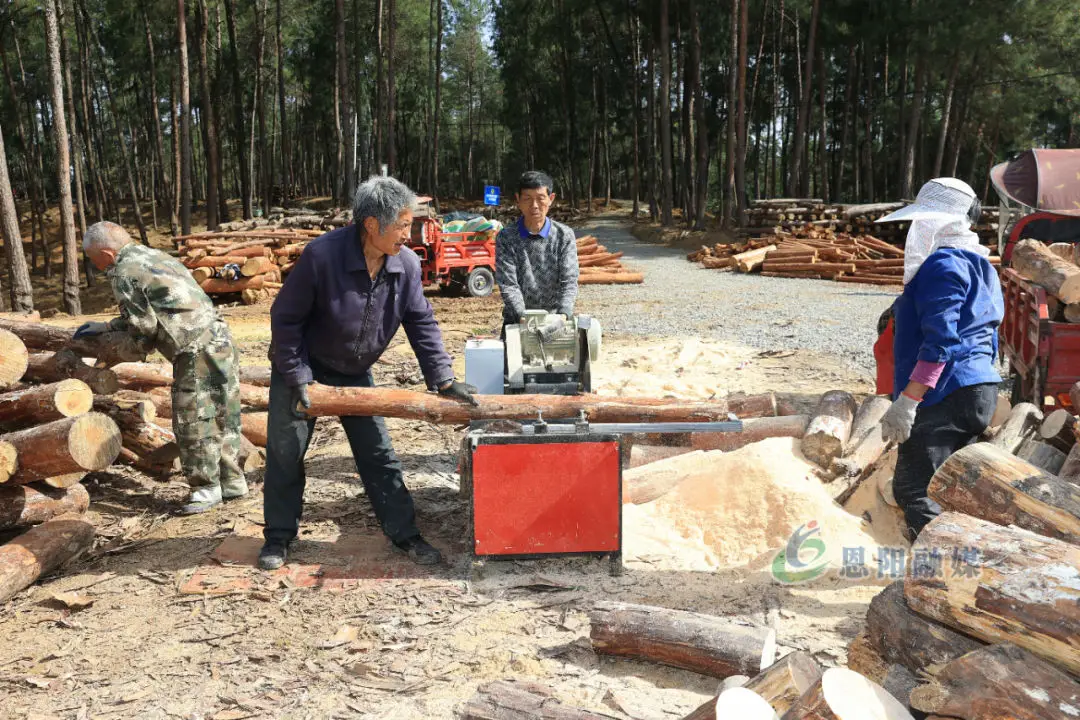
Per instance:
x=484, y=366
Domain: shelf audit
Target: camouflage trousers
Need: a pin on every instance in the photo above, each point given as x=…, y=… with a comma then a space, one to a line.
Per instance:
x=206, y=414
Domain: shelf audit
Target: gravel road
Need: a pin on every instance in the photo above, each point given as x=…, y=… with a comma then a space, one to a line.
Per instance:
x=679, y=297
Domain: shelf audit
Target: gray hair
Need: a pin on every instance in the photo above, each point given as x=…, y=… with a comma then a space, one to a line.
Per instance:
x=382, y=198
x=105, y=236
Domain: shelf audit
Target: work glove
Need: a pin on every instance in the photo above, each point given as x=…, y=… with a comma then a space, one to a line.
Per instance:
x=898, y=419
x=552, y=327
x=298, y=398
x=461, y=392
x=91, y=329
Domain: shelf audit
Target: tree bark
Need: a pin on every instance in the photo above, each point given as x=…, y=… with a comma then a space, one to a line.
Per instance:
x=339, y=401
x=76, y=444
x=63, y=365
x=239, y=134
x=254, y=427
x=41, y=550
x=14, y=359
x=26, y=505
x=76, y=143
x=667, y=191
x=740, y=117
x=830, y=428
x=728, y=200
x=1033, y=260
x=915, y=112
x=1041, y=455
x=753, y=431
x=701, y=643
x=794, y=185
x=902, y=636
x=20, y=289
x=159, y=145
x=1002, y=682
x=780, y=685
x=44, y=403
x=185, y=121
x=72, y=302
x=346, y=177
x=208, y=119
x=989, y=483
x=391, y=86
x=520, y=700
x=1005, y=584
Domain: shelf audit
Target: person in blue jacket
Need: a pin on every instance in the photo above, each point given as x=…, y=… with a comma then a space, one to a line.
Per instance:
x=946, y=320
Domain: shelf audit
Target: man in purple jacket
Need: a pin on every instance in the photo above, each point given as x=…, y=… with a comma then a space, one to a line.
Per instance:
x=340, y=307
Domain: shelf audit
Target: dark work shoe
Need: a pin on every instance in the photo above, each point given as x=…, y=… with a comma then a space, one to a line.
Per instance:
x=420, y=551
x=273, y=554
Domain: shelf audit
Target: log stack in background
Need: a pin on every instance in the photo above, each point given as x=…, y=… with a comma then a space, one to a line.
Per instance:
x=597, y=266
x=985, y=624
x=808, y=239
x=252, y=263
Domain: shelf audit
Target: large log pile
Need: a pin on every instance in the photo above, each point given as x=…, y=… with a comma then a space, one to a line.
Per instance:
x=986, y=623
x=597, y=266
x=1059, y=276
x=808, y=239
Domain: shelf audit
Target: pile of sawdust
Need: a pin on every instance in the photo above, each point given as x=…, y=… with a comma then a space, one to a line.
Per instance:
x=743, y=506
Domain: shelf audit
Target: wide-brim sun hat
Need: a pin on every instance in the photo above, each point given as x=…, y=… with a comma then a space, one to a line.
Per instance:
x=939, y=199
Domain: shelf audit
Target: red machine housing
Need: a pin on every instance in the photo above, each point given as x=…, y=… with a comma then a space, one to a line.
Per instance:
x=460, y=261
x=543, y=495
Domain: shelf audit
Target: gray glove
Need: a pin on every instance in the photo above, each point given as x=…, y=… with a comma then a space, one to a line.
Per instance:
x=461, y=392
x=298, y=398
x=552, y=327
x=898, y=419
x=91, y=329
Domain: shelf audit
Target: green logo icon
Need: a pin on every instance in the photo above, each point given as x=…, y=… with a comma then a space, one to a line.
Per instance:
x=803, y=559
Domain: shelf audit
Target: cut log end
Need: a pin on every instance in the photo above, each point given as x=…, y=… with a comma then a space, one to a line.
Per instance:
x=9, y=460
x=13, y=359
x=744, y=704
x=73, y=397
x=844, y=694
x=94, y=441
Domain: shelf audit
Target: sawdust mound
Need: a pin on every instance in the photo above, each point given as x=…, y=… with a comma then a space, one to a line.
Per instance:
x=744, y=505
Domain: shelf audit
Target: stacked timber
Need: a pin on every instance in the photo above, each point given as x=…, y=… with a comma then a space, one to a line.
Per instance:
x=985, y=624
x=1055, y=269
x=60, y=381
x=766, y=217
x=597, y=266
x=49, y=439
x=250, y=263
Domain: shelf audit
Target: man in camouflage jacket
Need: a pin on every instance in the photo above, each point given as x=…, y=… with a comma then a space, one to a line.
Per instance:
x=162, y=308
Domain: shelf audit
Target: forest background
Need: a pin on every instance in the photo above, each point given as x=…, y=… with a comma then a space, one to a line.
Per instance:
x=147, y=113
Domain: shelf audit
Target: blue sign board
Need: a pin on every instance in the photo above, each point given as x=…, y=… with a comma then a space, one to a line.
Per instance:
x=491, y=194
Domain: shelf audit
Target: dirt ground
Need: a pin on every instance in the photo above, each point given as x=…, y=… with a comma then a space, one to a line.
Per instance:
x=179, y=625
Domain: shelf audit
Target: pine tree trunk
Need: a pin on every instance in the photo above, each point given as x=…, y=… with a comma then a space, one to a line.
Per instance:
x=159, y=145
x=437, y=114
x=260, y=108
x=286, y=146
x=915, y=115
x=207, y=120
x=20, y=290
x=185, y=122
x=795, y=184
x=666, y=218
x=341, y=108
x=72, y=303
x=76, y=142
x=740, y=116
x=239, y=135
x=702, y=185
x=635, y=118
x=729, y=209
x=946, y=114
x=391, y=87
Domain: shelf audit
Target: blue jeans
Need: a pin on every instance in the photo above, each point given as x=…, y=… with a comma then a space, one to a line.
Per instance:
x=378, y=466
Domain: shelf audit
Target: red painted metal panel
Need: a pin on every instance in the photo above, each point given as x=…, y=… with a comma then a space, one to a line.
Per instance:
x=546, y=498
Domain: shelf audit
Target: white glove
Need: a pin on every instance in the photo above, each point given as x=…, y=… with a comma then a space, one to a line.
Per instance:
x=898, y=419
x=552, y=327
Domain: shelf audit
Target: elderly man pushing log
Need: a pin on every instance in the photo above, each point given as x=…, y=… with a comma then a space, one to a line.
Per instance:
x=162, y=308
x=338, y=310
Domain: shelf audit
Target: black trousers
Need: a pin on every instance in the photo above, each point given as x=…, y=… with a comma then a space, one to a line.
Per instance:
x=938, y=432
x=378, y=466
